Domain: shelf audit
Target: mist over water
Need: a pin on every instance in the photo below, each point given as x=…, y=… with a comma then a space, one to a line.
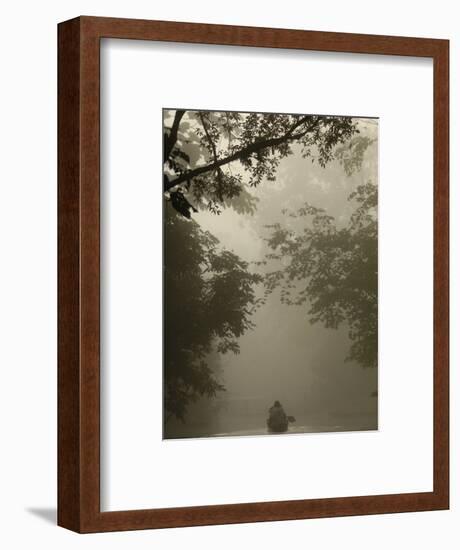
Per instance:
x=285, y=357
x=300, y=365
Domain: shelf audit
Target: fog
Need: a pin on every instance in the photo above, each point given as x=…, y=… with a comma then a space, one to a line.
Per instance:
x=285, y=357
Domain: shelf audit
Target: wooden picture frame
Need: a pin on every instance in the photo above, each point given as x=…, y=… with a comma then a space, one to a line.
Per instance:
x=79, y=274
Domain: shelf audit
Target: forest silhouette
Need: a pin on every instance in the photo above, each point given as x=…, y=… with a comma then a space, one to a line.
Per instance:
x=212, y=160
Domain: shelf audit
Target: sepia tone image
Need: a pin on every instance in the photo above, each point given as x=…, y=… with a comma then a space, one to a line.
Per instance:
x=270, y=273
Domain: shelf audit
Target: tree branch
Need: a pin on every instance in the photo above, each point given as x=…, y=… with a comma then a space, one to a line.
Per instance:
x=170, y=141
x=251, y=148
x=214, y=153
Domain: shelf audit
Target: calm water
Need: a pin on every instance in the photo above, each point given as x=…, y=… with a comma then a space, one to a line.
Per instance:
x=240, y=425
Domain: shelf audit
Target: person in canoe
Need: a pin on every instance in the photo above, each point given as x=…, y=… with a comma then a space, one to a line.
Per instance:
x=277, y=420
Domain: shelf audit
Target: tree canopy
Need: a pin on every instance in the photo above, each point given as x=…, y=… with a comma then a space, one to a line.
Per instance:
x=332, y=270
x=210, y=157
x=210, y=298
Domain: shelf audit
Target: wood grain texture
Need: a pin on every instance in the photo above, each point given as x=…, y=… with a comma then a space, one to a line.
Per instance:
x=79, y=277
x=441, y=275
x=68, y=275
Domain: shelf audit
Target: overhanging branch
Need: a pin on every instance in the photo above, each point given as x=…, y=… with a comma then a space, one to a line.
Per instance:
x=252, y=148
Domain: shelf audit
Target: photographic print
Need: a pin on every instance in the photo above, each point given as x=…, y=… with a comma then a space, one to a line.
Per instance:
x=270, y=261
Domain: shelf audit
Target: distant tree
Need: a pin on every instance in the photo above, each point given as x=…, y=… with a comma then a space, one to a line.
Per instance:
x=333, y=271
x=210, y=297
x=351, y=154
x=201, y=147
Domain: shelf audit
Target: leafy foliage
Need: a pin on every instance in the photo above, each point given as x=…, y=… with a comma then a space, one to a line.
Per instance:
x=351, y=155
x=210, y=157
x=210, y=296
x=333, y=270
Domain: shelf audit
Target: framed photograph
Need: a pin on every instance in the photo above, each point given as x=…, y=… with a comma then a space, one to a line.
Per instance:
x=253, y=274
